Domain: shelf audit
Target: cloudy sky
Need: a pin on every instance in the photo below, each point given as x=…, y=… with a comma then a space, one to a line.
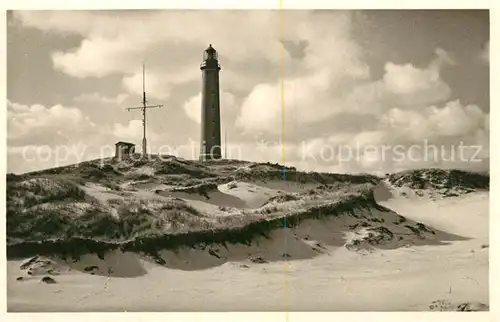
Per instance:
x=363, y=91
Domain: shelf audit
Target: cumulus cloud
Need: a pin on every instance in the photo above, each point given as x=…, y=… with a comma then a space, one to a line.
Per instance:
x=132, y=130
x=261, y=110
x=192, y=107
x=409, y=82
x=403, y=85
x=408, y=138
x=312, y=98
x=44, y=124
x=454, y=119
x=453, y=122
x=97, y=58
x=310, y=88
x=40, y=137
x=112, y=45
x=154, y=86
x=398, y=138
x=171, y=43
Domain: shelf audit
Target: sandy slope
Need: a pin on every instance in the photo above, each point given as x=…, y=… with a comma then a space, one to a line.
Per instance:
x=404, y=279
x=466, y=215
x=407, y=278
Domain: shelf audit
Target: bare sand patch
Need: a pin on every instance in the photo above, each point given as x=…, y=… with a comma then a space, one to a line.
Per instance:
x=99, y=192
x=253, y=195
x=241, y=195
x=216, y=198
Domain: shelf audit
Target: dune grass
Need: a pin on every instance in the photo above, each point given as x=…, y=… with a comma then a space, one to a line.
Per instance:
x=48, y=210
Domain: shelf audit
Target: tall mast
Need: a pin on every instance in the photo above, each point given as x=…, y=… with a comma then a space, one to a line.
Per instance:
x=143, y=108
x=144, y=142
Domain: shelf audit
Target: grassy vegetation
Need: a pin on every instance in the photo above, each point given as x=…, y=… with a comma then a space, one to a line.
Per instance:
x=441, y=179
x=140, y=225
x=177, y=166
x=303, y=177
x=47, y=211
x=40, y=190
x=78, y=215
x=229, y=230
x=282, y=198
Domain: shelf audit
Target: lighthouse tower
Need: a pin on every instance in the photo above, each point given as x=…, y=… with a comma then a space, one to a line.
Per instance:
x=210, y=106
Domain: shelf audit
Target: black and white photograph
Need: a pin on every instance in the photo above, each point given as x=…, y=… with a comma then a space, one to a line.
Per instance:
x=251, y=160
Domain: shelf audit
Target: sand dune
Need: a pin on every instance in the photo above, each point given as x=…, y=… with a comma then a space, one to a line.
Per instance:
x=360, y=230
x=405, y=279
x=466, y=215
x=403, y=256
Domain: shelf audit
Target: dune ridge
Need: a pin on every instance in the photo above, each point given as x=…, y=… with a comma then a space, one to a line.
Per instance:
x=88, y=208
x=309, y=233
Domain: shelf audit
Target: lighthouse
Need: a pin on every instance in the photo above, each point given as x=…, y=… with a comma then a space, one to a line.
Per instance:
x=210, y=106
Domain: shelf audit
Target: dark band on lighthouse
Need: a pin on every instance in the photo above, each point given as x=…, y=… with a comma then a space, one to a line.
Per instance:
x=210, y=106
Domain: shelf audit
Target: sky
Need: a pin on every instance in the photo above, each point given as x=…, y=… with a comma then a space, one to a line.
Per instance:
x=322, y=90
